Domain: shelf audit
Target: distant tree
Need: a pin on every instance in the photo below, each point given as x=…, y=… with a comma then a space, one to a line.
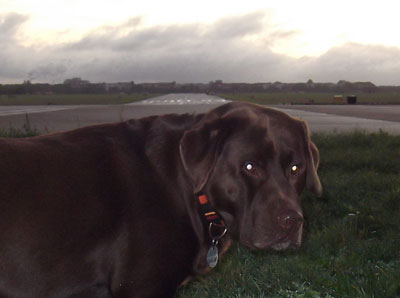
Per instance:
x=344, y=86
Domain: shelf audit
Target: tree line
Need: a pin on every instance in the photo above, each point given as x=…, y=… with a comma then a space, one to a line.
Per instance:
x=79, y=86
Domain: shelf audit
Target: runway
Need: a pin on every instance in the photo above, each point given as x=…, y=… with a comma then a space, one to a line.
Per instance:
x=183, y=99
x=324, y=122
x=48, y=119
x=16, y=110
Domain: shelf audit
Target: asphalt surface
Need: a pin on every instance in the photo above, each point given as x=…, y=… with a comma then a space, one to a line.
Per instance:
x=47, y=119
x=15, y=110
x=377, y=112
x=324, y=122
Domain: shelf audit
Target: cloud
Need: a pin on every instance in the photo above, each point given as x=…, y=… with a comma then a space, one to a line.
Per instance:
x=14, y=57
x=158, y=38
x=102, y=37
x=9, y=26
x=234, y=49
x=48, y=72
x=354, y=62
x=181, y=52
x=236, y=26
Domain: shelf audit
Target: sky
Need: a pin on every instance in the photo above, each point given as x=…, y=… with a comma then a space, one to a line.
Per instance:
x=186, y=41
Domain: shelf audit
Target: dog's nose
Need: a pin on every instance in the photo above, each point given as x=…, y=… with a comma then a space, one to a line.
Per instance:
x=290, y=220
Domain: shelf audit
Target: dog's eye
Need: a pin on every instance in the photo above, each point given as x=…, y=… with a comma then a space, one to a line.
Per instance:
x=249, y=166
x=294, y=169
x=252, y=169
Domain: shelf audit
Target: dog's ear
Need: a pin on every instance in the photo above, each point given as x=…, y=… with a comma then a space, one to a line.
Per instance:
x=313, y=183
x=199, y=148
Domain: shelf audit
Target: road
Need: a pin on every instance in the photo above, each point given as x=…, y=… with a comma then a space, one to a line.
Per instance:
x=47, y=119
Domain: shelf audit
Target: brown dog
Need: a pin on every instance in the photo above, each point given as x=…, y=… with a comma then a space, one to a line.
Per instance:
x=132, y=209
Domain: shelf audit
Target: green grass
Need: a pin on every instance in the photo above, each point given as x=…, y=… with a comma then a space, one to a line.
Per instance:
x=17, y=133
x=316, y=98
x=72, y=99
x=352, y=234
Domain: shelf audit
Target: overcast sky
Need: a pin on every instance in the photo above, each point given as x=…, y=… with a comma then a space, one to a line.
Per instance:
x=186, y=41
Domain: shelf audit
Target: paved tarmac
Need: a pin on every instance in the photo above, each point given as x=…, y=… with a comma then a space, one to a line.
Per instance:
x=15, y=110
x=47, y=119
x=377, y=112
x=324, y=122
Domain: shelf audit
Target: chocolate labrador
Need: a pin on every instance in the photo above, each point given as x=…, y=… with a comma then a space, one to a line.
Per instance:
x=133, y=209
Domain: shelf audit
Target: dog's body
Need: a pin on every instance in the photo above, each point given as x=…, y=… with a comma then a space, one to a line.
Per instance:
x=111, y=210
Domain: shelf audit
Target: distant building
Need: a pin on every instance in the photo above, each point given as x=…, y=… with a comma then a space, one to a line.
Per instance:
x=124, y=87
x=262, y=86
x=76, y=82
x=157, y=87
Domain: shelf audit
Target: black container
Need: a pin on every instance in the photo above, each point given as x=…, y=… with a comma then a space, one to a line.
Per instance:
x=352, y=99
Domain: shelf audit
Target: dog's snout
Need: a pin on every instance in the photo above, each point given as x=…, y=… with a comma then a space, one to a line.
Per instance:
x=289, y=220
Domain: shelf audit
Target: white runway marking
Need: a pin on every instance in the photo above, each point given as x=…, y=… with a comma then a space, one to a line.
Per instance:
x=183, y=99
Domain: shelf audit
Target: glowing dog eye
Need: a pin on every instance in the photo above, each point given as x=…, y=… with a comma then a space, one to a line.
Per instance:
x=294, y=169
x=249, y=166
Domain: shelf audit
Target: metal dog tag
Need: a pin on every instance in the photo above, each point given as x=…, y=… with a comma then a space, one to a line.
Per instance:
x=212, y=256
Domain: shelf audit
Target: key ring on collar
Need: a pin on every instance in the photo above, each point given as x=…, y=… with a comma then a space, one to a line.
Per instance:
x=217, y=237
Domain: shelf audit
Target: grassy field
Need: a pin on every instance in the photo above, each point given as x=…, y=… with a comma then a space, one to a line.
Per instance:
x=72, y=99
x=352, y=234
x=307, y=98
x=17, y=133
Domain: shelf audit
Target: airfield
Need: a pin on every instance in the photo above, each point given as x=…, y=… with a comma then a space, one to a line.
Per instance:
x=321, y=118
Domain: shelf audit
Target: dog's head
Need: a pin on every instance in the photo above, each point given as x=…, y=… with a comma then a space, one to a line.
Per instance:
x=253, y=163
